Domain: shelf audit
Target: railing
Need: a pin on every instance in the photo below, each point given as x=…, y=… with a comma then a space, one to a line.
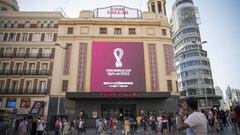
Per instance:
x=24, y=55
x=24, y=91
x=24, y=72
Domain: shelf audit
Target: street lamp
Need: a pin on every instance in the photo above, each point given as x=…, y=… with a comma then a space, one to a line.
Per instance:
x=202, y=77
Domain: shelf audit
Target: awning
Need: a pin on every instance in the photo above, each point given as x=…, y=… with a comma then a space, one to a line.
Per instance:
x=133, y=95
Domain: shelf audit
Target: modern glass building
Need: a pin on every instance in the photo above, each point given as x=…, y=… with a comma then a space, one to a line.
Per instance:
x=193, y=67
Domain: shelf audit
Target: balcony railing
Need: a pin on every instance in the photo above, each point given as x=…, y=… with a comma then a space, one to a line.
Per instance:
x=23, y=91
x=24, y=55
x=24, y=72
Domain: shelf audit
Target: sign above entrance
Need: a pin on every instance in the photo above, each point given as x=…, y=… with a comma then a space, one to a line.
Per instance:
x=117, y=11
x=104, y=95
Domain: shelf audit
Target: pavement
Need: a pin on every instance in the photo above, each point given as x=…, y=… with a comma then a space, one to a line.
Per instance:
x=225, y=131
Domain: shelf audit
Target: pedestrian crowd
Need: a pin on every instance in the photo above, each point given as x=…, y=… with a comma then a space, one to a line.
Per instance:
x=188, y=120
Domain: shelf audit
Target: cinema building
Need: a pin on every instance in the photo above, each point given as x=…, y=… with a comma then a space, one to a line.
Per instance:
x=114, y=60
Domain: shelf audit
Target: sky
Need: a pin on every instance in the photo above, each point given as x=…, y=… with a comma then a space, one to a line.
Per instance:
x=220, y=22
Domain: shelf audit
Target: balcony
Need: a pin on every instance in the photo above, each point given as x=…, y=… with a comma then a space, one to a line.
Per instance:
x=24, y=72
x=24, y=55
x=23, y=91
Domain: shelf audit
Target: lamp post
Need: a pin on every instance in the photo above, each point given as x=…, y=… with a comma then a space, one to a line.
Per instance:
x=202, y=77
x=59, y=98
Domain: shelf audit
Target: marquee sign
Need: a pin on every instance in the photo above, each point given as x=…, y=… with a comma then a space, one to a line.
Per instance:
x=117, y=12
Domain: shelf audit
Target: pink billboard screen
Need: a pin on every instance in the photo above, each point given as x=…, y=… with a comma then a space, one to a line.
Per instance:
x=117, y=67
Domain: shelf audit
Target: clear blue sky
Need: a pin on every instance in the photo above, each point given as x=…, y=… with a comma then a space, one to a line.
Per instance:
x=220, y=27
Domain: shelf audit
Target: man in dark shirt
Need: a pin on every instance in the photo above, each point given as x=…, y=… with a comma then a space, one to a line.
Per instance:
x=4, y=125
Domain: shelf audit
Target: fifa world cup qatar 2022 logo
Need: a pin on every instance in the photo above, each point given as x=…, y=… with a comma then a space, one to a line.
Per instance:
x=118, y=54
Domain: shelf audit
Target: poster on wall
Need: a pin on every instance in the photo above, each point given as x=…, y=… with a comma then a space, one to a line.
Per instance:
x=117, y=67
x=25, y=102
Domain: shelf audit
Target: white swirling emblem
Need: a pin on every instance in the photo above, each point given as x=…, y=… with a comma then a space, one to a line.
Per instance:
x=118, y=57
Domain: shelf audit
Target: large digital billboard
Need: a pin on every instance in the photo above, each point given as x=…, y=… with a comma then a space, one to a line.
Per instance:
x=117, y=67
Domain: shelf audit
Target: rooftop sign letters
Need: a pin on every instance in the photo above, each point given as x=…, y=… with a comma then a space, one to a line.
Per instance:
x=117, y=12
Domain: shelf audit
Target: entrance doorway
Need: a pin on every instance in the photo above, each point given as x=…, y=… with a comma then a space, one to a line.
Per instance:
x=118, y=110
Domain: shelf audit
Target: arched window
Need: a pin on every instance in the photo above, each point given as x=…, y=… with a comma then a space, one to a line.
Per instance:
x=51, y=24
x=159, y=6
x=39, y=24
x=2, y=24
x=9, y=24
x=27, y=24
x=45, y=24
x=153, y=7
x=15, y=24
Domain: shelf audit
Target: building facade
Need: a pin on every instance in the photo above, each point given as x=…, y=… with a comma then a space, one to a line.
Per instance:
x=115, y=61
x=233, y=96
x=193, y=67
x=26, y=59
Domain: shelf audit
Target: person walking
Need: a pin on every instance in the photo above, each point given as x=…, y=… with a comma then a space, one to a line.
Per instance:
x=4, y=126
x=23, y=127
x=57, y=127
x=34, y=127
x=40, y=126
x=66, y=127
x=195, y=123
x=101, y=129
x=110, y=125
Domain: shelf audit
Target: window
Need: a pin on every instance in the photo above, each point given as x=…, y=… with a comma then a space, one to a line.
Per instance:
x=27, y=24
x=4, y=9
x=45, y=24
x=44, y=68
x=46, y=52
x=169, y=85
x=164, y=32
x=103, y=30
x=2, y=24
x=28, y=87
x=9, y=24
x=159, y=6
x=70, y=30
x=34, y=52
x=21, y=52
x=153, y=7
x=24, y=37
x=51, y=24
x=4, y=66
x=8, y=51
x=15, y=24
x=1, y=36
x=14, y=86
x=65, y=85
x=31, y=67
x=39, y=24
x=132, y=31
x=49, y=37
x=42, y=87
x=2, y=83
x=18, y=66
x=117, y=31
x=36, y=37
x=12, y=37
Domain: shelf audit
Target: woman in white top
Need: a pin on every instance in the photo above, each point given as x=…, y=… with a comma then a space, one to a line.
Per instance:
x=66, y=127
x=40, y=126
